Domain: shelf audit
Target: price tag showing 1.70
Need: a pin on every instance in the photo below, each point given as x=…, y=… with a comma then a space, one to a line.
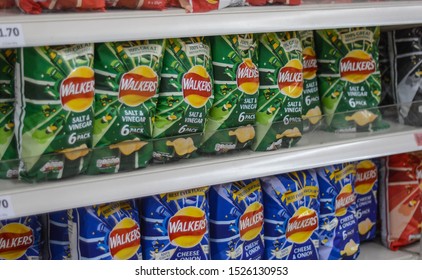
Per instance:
x=11, y=36
x=6, y=207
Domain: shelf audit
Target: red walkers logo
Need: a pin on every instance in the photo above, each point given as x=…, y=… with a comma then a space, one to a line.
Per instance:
x=366, y=176
x=290, y=79
x=15, y=240
x=196, y=86
x=251, y=222
x=137, y=86
x=187, y=227
x=125, y=239
x=344, y=199
x=310, y=66
x=247, y=77
x=357, y=66
x=301, y=225
x=77, y=90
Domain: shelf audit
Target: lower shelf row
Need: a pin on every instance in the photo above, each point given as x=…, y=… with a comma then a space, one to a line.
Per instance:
x=324, y=213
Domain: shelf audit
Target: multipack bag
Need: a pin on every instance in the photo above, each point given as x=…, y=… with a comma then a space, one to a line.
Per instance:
x=127, y=78
x=400, y=200
x=338, y=223
x=291, y=216
x=175, y=225
x=279, y=114
x=311, y=106
x=54, y=110
x=185, y=98
x=37, y=7
x=137, y=4
x=366, y=189
x=349, y=79
x=20, y=238
x=107, y=231
x=230, y=123
x=406, y=57
x=237, y=221
x=9, y=162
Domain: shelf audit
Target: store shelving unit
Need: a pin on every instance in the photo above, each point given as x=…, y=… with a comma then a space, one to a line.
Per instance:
x=314, y=150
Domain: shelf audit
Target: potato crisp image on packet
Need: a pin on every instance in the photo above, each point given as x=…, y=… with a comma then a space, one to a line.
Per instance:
x=127, y=77
x=185, y=98
x=9, y=162
x=236, y=80
x=279, y=114
x=54, y=111
x=349, y=79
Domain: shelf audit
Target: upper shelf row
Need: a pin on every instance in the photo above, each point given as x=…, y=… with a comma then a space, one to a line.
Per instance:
x=67, y=28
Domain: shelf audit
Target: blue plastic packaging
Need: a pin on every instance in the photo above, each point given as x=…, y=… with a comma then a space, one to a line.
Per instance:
x=291, y=216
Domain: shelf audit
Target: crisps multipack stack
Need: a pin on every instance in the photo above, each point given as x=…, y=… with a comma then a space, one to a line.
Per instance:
x=127, y=76
x=37, y=7
x=185, y=98
x=8, y=147
x=175, y=225
x=20, y=238
x=230, y=123
x=291, y=211
x=349, y=79
x=107, y=231
x=237, y=221
x=54, y=110
x=279, y=114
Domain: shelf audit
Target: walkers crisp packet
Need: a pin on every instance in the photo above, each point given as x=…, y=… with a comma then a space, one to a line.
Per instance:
x=175, y=226
x=127, y=76
x=291, y=216
x=237, y=221
x=54, y=110
x=279, y=114
x=185, y=98
x=230, y=123
x=9, y=162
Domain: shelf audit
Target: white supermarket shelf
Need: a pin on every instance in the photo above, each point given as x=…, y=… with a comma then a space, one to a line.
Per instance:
x=65, y=28
x=314, y=150
x=375, y=251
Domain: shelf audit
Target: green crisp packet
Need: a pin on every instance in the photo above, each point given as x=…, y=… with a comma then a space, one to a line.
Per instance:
x=230, y=123
x=311, y=103
x=349, y=79
x=185, y=98
x=8, y=149
x=127, y=77
x=279, y=116
x=55, y=94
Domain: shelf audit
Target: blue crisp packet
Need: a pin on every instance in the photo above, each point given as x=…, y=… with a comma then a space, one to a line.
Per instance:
x=20, y=238
x=100, y=232
x=236, y=221
x=366, y=188
x=291, y=216
x=175, y=225
x=339, y=236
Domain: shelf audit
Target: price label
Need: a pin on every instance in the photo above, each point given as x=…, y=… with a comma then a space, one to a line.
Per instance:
x=6, y=207
x=11, y=36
